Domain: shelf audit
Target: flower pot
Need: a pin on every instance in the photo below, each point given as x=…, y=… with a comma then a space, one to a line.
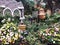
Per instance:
x=41, y=16
x=22, y=27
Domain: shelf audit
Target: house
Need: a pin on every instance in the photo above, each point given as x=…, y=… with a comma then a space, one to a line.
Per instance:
x=12, y=5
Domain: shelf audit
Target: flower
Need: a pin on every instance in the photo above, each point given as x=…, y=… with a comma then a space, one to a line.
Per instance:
x=0, y=32
x=56, y=29
x=11, y=33
x=16, y=35
x=43, y=4
x=12, y=19
x=9, y=19
x=3, y=20
x=53, y=41
x=8, y=35
x=51, y=35
x=21, y=37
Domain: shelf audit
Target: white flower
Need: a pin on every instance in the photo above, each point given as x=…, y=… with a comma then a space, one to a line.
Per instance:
x=3, y=36
x=44, y=34
x=43, y=4
x=0, y=31
x=4, y=32
x=12, y=19
x=8, y=30
x=9, y=39
x=0, y=39
x=11, y=33
x=3, y=20
x=9, y=19
x=48, y=34
x=19, y=31
x=54, y=33
x=56, y=29
x=53, y=41
x=24, y=38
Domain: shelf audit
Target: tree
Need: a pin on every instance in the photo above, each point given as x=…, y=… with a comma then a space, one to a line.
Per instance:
x=28, y=5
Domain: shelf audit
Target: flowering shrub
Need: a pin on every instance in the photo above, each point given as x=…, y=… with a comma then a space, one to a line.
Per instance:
x=9, y=32
x=51, y=35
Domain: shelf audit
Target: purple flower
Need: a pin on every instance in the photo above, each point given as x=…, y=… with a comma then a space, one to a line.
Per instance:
x=21, y=37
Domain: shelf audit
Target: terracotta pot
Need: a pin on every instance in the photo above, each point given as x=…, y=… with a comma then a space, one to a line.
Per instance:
x=42, y=13
x=41, y=16
x=22, y=27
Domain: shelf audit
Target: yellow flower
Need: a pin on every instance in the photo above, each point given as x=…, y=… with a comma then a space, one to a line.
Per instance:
x=16, y=35
x=7, y=27
x=14, y=28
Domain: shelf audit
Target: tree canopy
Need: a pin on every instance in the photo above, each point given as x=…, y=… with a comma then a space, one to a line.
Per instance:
x=28, y=5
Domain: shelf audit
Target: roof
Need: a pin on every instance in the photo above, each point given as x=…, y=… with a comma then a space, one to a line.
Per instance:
x=12, y=4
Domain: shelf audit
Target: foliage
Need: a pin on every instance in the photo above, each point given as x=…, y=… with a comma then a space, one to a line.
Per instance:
x=37, y=34
x=8, y=32
x=36, y=31
x=4, y=19
x=52, y=35
x=28, y=5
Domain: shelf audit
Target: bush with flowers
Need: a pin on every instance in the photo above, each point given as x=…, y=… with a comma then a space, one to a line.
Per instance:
x=9, y=32
x=51, y=35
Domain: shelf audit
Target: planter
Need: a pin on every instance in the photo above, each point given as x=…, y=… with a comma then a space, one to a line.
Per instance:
x=22, y=27
x=41, y=16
